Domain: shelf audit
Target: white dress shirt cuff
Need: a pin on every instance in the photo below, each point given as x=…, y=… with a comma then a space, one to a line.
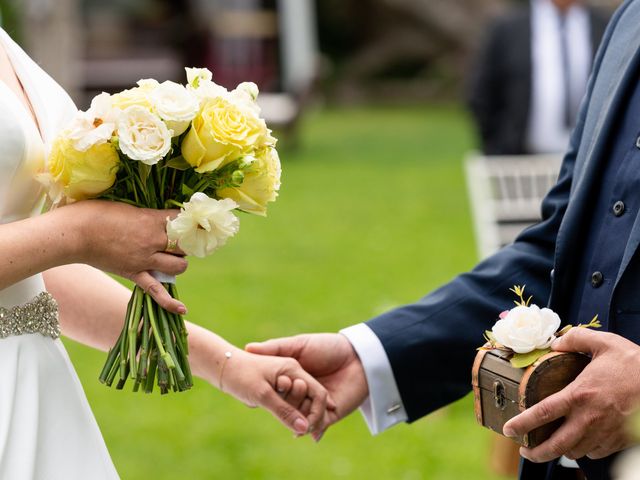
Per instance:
x=383, y=407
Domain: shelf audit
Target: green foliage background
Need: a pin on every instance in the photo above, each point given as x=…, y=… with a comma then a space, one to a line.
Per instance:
x=373, y=213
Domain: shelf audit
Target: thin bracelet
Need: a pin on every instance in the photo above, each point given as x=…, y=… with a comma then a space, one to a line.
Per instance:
x=227, y=356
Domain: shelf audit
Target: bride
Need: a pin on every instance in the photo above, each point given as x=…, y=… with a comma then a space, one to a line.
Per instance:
x=47, y=429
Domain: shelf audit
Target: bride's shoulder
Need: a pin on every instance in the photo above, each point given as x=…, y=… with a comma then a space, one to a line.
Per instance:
x=60, y=108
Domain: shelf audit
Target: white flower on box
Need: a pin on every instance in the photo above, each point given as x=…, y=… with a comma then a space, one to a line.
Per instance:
x=175, y=104
x=203, y=225
x=526, y=328
x=143, y=135
x=95, y=126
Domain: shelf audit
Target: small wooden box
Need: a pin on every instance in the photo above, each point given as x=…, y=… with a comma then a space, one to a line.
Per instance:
x=501, y=391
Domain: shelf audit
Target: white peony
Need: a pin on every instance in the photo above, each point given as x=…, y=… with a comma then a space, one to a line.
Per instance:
x=203, y=225
x=524, y=329
x=143, y=135
x=175, y=104
x=95, y=126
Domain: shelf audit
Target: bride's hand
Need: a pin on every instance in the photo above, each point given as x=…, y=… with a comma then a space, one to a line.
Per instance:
x=279, y=385
x=127, y=241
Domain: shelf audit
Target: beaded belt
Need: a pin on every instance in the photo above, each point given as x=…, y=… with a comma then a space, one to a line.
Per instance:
x=40, y=315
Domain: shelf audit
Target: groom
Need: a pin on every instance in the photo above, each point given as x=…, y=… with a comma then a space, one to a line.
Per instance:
x=582, y=257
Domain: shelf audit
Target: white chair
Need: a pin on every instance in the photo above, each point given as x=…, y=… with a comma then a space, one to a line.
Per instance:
x=505, y=194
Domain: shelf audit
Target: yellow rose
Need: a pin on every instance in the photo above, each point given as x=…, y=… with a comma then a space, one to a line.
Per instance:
x=83, y=175
x=139, y=95
x=260, y=185
x=221, y=133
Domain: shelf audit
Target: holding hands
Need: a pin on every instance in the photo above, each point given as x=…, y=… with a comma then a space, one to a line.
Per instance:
x=279, y=385
x=330, y=358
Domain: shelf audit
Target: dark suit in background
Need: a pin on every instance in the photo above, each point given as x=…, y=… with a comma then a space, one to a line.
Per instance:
x=500, y=90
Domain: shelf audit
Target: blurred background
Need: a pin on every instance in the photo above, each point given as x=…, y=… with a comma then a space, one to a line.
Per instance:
x=380, y=107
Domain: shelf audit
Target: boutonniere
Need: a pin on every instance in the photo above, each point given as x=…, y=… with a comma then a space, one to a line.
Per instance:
x=527, y=331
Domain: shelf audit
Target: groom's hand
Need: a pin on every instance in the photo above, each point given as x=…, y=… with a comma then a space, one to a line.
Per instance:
x=331, y=359
x=596, y=406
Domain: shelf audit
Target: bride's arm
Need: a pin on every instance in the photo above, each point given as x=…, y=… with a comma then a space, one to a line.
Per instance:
x=92, y=310
x=114, y=237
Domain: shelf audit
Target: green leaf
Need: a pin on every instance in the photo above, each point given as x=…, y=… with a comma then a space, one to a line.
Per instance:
x=564, y=330
x=179, y=163
x=144, y=170
x=488, y=334
x=523, y=360
x=187, y=190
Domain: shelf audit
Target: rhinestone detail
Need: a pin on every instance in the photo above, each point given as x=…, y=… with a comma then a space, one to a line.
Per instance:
x=40, y=315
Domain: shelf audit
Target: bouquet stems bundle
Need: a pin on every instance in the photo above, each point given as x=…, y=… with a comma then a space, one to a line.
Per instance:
x=152, y=342
x=198, y=147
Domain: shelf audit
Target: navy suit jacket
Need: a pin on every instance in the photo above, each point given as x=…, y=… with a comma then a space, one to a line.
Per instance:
x=449, y=323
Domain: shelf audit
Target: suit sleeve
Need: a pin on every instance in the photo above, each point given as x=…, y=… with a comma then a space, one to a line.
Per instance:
x=431, y=344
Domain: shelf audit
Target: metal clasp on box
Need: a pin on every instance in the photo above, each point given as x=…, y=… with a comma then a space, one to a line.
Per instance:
x=499, y=395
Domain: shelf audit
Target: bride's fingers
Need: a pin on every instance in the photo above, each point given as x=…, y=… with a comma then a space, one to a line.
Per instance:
x=318, y=395
x=305, y=408
x=289, y=416
x=154, y=288
x=298, y=393
x=168, y=263
x=283, y=385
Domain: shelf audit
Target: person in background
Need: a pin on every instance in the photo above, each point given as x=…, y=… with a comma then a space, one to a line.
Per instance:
x=530, y=76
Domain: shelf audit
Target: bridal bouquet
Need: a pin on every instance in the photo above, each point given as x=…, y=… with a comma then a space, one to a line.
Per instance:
x=527, y=331
x=198, y=147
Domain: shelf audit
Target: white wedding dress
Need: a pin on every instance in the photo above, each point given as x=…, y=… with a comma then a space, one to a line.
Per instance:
x=47, y=430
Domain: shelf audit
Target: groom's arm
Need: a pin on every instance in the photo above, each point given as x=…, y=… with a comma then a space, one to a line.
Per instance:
x=422, y=353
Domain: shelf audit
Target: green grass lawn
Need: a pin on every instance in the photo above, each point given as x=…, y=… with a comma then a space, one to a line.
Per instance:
x=372, y=214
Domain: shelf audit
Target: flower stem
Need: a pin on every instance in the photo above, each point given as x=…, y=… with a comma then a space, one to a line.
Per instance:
x=153, y=365
x=169, y=343
x=164, y=356
x=144, y=348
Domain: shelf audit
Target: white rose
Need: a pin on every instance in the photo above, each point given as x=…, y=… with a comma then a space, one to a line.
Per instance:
x=175, y=105
x=203, y=225
x=525, y=329
x=95, y=126
x=143, y=135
